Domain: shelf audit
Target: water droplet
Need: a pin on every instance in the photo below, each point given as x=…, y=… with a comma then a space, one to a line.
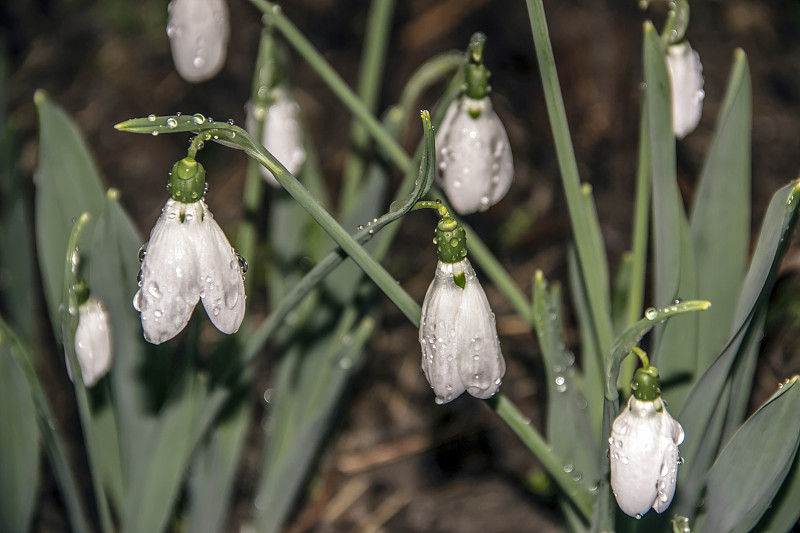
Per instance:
x=198, y=118
x=638, y=516
x=439, y=400
x=651, y=313
x=142, y=252
x=231, y=299
x=158, y=313
x=151, y=118
x=568, y=468
x=154, y=133
x=230, y=122
x=153, y=289
x=172, y=122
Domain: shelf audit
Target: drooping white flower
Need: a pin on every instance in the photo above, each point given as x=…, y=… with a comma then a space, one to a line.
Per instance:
x=474, y=155
x=198, y=31
x=644, y=456
x=282, y=132
x=188, y=258
x=458, y=336
x=92, y=342
x=686, y=75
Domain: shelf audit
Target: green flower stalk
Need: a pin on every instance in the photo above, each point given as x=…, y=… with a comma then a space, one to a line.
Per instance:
x=460, y=348
x=188, y=258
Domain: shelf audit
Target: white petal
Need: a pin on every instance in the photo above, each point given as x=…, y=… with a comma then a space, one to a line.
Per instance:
x=644, y=457
x=686, y=75
x=170, y=285
x=474, y=156
x=92, y=342
x=222, y=285
x=437, y=333
x=198, y=32
x=481, y=363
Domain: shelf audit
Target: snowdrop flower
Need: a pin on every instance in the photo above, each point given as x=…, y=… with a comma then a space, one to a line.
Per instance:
x=458, y=336
x=475, y=164
x=198, y=31
x=92, y=342
x=644, y=449
x=282, y=132
x=686, y=75
x=188, y=258
x=474, y=156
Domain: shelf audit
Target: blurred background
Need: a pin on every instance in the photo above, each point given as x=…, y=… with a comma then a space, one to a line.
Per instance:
x=394, y=460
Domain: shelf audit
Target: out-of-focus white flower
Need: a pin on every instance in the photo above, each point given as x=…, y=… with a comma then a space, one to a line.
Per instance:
x=644, y=457
x=198, y=31
x=188, y=258
x=92, y=342
x=282, y=132
x=460, y=348
x=474, y=156
x=686, y=74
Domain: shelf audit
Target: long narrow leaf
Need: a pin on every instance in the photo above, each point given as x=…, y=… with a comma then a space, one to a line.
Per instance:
x=19, y=445
x=753, y=465
x=67, y=184
x=701, y=405
x=721, y=214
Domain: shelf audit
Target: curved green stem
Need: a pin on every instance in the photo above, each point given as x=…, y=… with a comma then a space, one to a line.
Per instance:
x=68, y=326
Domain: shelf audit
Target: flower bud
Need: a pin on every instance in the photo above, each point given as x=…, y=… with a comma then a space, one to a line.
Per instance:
x=282, y=132
x=686, y=75
x=474, y=155
x=643, y=449
x=92, y=342
x=458, y=336
x=198, y=31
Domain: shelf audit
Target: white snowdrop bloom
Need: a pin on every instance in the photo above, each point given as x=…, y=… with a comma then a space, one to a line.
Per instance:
x=458, y=336
x=188, y=258
x=644, y=457
x=282, y=132
x=686, y=75
x=198, y=31
x=474, y=156
x=92, y=342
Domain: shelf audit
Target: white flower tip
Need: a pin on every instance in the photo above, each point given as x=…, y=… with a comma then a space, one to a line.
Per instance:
x=474, y=156
x=686, y=76
x=458, y=337
x=198, y=31
x=92, y=342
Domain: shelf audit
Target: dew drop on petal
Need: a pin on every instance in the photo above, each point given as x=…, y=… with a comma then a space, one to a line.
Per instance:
x=154, y=290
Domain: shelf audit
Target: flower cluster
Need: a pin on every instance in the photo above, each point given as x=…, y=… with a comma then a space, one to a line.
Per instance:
x=188, y=258
x=458, y=336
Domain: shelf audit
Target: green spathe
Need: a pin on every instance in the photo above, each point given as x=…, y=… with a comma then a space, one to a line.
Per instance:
x=451, y=241
x=187, y=181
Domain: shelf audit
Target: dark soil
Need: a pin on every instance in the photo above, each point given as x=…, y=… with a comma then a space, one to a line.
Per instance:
x=396, y=462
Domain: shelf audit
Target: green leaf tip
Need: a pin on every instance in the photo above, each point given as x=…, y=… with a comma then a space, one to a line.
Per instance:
x=40, y=97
